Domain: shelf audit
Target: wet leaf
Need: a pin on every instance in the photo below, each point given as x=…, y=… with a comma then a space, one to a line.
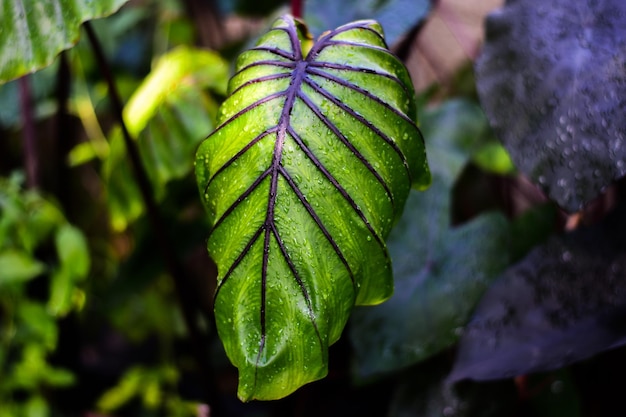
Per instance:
x=564, y=302
x=310, y=166
x=33, y=32
x=551, y=79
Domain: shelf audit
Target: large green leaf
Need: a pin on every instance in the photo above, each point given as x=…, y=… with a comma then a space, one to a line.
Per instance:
x=309, y=168
x=33, y=32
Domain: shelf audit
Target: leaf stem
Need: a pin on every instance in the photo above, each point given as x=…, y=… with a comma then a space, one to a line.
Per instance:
x=296, y=8
x=186, y=295
x=207, y=20
x=31, y=157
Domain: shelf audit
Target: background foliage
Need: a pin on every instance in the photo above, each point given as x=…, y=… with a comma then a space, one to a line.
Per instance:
x=507, y=303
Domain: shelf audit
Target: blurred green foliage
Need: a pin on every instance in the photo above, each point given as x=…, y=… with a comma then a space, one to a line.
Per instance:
x=36, y=244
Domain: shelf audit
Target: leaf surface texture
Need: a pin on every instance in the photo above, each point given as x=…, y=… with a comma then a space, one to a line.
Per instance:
x=311, y=164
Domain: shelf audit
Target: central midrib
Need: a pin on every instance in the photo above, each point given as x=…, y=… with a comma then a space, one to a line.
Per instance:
x=297, y=78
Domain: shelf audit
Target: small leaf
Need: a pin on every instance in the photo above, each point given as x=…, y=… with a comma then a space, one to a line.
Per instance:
x=493, y=157
x=73, y=252
x=33, y=32
x=36, y=325
x=26, y=219
x=36, y=406
x=551, y=79
x=564, y=302
x=128, y=387
x=33, y=371
x=17, y=266
x=310, y=166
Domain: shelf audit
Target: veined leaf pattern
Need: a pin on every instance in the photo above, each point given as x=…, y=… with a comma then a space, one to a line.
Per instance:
x=310, y=166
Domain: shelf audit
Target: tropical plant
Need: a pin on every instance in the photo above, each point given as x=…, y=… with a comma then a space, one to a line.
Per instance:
x=496, y=289
x=310, y=166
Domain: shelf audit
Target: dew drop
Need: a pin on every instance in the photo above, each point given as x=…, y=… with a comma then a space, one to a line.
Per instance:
x=566, y=256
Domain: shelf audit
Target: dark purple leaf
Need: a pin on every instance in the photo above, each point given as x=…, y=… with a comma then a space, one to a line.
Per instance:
x=564, y=302
x=552, y=80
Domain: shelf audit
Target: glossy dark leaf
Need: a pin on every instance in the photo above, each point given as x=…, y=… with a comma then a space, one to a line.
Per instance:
x=552, y=81
x=564, y=302
x=309, y=168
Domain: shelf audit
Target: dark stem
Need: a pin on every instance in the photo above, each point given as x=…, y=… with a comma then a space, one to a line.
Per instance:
x=31, y=157
x=207, y=20
x=64, y=133
x=186, y=295
x=296, y=8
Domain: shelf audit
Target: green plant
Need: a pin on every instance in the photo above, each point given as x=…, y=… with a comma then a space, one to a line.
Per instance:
x=106, y=292
x=31, y=226
x=310, y=166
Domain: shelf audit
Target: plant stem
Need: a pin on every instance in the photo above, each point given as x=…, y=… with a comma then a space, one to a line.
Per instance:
x=187, y=299
x=207, y=20
x=28, y=131
x=296, y=8
x=63, y=132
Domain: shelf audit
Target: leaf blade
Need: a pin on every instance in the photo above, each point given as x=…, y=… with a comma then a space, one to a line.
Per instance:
x=301, y=200
x=35, y=31
x=551, y=86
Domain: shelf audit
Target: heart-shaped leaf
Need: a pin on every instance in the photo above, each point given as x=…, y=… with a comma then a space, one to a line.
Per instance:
x=309, y=168
x=551, y=79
